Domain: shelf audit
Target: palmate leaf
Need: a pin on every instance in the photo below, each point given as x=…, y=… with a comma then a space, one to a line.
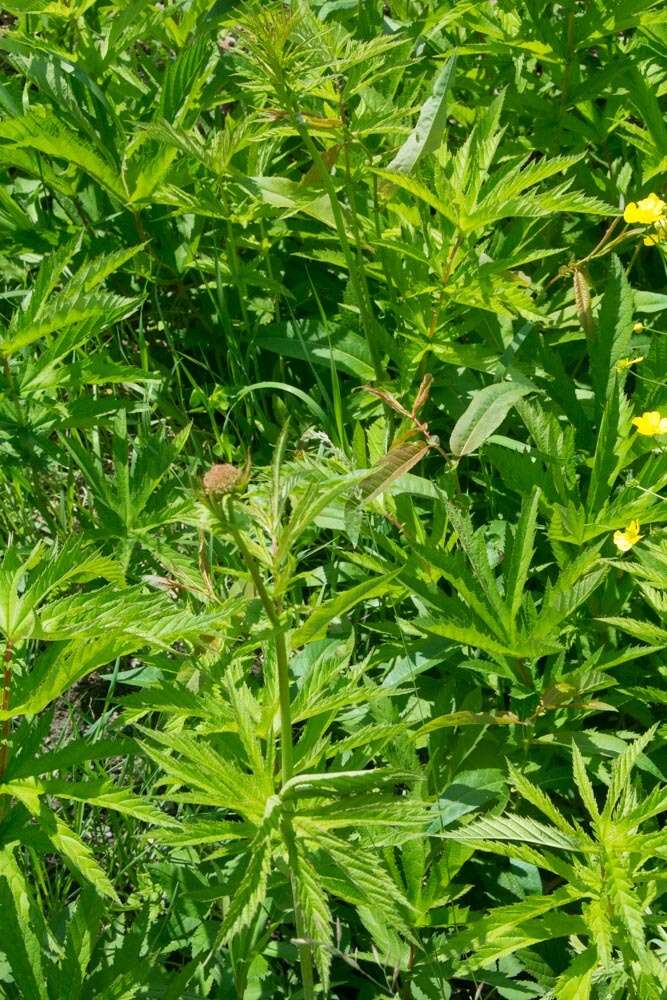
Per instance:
x=453, y=568
x=583, y=783
x=251, y=891
x=317, y=496
x=98, y=310
x=623, y=897
x=315, y=912
x=200, y=832
x=519, y=828
x=463, y=629
x=194, y=763
x=646, y=632
x=464, y=718
x=375, y=812
x=421, y=191
x=28, y=6
x=359, y=877
x=474, y=547
x=334, y=784
x=83, y=931
x=182, y=79
x=23, y=765
x=597, y=917
x=150, y=619
x=48, y=277
x=621, y=772
x=42, y=132
x=23, y=929
x=538, y=204
x=530, y=932
x=544, y=859
x=60, y=667
x=561, y=601
x=523, y=176
x=576, y=982
x=35, y=166
x=65, y=841
x=103, y=794
x=652, y=805
x=175, y=699
x=541, y=801
x=94, y=270
x=499, y=924
x=45, y=572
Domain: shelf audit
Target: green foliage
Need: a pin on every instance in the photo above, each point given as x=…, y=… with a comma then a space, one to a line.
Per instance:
x=333, y=582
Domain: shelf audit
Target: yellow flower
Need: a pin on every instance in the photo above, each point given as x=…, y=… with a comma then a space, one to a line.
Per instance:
x=646, y=211
x=638, y=327
x=651, y=423
x=624, y=540
x=624, y=363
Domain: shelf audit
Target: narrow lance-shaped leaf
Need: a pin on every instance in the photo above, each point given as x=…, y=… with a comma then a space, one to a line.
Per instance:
x=521, y=553
x=431, y=123
x=484, y=415
x=315, y=626
x=612, y=338
x=605, y=460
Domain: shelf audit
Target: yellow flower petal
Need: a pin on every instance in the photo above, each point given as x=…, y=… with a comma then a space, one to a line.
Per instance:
x=651, y=423
x=646, y=211
x=624, y=540
x=621, y=542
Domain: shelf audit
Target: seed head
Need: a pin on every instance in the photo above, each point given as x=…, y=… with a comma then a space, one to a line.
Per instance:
x=221, y=479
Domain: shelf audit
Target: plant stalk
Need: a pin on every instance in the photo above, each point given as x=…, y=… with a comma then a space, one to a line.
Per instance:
x=286, y=743
x=357, y=275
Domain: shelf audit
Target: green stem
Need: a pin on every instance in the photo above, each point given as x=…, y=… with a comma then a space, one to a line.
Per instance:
x=235, y=265
x=305, y=957
x=13, y=392
x=608, y=247
x=286, y=744
x=280, y=645
x=357, y=274
x=437, y=308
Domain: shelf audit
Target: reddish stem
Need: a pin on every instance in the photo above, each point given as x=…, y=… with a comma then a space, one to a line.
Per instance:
x=6, y=692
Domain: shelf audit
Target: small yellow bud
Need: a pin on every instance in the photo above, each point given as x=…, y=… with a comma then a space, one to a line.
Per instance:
x=637, y=327
x=624, y=363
